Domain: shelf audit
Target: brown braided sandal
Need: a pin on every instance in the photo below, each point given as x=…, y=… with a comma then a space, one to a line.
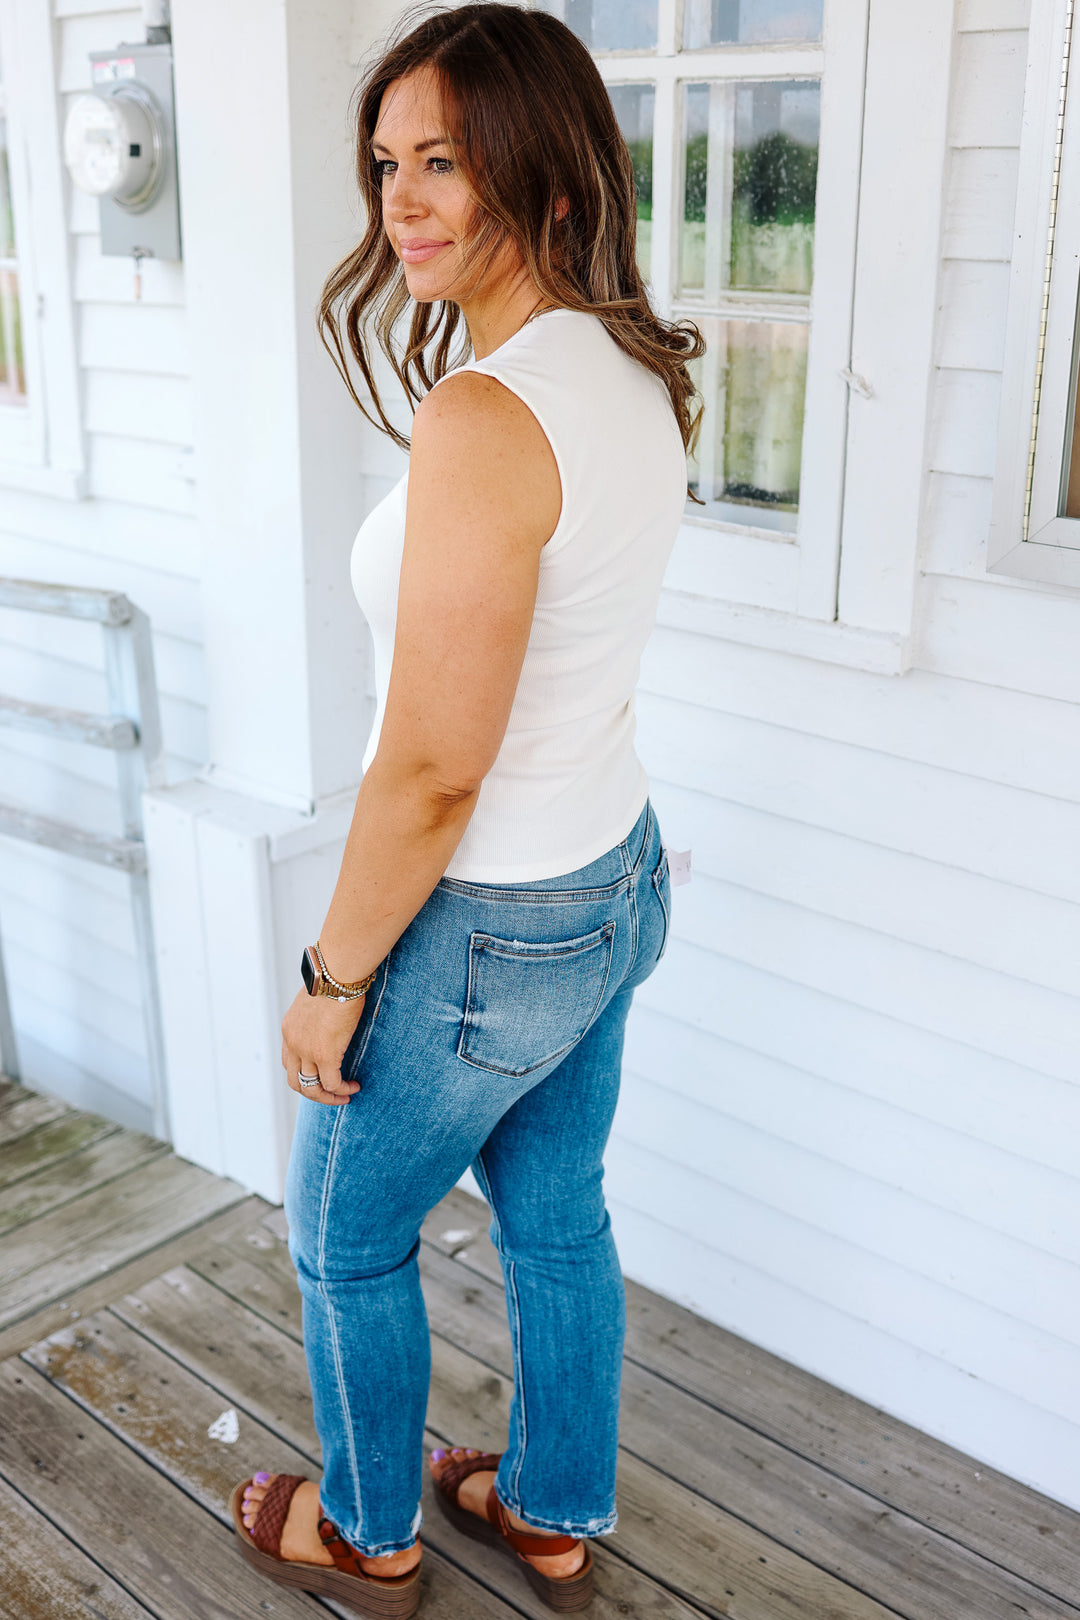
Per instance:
x=380, y=1598
x=563, y=1593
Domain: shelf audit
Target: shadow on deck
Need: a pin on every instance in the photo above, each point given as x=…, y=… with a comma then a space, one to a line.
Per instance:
x=140, y=1298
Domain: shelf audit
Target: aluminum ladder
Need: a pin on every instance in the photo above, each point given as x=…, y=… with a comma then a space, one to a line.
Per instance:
x=132, y=731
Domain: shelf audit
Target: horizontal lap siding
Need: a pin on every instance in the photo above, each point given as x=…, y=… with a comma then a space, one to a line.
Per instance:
x=850, y=1106
x=853, y=1078
x=66, y=925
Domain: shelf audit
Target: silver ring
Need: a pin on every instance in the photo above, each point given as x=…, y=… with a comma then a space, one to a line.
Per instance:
x=308, y=1079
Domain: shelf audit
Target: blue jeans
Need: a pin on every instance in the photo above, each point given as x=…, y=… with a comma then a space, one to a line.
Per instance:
x=492, y=1038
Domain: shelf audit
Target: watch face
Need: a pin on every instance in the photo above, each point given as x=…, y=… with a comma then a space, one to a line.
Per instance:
x=307, y=972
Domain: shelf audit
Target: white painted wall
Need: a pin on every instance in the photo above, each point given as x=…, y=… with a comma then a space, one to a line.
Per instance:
x=851, y=1109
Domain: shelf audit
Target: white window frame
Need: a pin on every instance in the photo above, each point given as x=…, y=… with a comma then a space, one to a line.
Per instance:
x=41, y=442
x=795, y=573
x=1028, y=539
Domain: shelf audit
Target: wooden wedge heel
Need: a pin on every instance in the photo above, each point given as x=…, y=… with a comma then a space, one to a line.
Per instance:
x=393, y=1598
x=563, y=1594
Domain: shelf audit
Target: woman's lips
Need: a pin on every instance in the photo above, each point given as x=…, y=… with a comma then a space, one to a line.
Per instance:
x=419, y=248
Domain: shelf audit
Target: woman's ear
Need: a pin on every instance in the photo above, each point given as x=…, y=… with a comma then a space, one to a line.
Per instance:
x=562, y=207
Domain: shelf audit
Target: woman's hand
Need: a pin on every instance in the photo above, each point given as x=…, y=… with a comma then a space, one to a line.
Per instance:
x=315, y=1033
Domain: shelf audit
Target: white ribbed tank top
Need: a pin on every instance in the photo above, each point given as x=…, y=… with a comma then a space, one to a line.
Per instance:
x=566, y=785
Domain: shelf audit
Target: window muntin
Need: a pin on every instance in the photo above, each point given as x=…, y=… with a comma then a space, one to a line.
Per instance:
x=750, y=22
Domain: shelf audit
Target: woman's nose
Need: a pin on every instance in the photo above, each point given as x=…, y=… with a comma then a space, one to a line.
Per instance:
x=402, y=199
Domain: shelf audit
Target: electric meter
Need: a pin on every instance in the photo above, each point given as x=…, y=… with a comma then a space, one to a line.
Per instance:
x=113, y=146
x=120, y=147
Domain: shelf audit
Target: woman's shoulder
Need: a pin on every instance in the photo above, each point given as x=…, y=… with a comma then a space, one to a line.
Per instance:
x=471, y=421
x=467, y=402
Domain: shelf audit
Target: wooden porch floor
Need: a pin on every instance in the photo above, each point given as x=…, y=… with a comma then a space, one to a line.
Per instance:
x=141, y=1298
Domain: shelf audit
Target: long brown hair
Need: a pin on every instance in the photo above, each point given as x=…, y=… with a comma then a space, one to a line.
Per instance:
x=531, y=125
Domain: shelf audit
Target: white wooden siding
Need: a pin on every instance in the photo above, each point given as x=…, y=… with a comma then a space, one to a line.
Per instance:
x=850, y=1111
x=66, y=926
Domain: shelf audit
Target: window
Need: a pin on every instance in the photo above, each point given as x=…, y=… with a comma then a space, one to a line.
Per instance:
x=40, y=435
x=1036, y=523
x=743, y=123
x=745, y=269
x=12, y=359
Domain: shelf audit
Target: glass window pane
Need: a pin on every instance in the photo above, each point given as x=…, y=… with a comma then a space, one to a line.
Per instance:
x=751, y=153
x=633, y=105
x=1070, y=503
x=12, y=365
x=7, y=223
x=750, y=22
x=753, y=380
x=608, y=25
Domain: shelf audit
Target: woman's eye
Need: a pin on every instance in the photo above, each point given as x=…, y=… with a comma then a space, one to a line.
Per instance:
x=442, y=165
x=383, y=167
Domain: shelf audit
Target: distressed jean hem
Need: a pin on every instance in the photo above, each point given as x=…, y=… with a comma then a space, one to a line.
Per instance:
x=581, y=1531
x=376, y=1549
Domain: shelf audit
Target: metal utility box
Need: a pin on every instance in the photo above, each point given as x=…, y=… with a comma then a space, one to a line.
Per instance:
x=141, y=77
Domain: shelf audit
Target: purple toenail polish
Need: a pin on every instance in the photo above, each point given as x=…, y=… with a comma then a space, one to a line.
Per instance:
x=262, y=1479
x=437, y=1456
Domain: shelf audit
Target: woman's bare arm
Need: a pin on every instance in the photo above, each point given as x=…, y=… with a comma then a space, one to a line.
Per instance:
x=484, y=497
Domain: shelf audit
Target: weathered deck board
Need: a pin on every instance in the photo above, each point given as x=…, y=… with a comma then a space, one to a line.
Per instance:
x=26, y=1111
x=9, y=1089
x=159, y=1408
x=143, y=1531
x=747, y=1488
x=44, y=1576
x=157, y=1256
x=675, y=1538
x=50, y=1143
x=834, y=1523
x=261, y=1370
x=163, y=1412
x=73, y=1177
x=998, y=1517
x=98, y=1232
x=1004, y=1521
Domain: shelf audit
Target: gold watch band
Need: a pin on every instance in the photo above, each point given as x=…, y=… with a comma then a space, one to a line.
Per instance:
x=344, y=992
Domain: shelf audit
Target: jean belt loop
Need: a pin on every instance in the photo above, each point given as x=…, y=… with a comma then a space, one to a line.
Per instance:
x=645, y=822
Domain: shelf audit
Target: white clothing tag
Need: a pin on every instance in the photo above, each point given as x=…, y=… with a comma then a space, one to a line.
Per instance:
x=226, y=1427
x=678, y=861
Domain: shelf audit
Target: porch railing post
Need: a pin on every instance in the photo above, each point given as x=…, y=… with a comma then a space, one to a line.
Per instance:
x=132, y=688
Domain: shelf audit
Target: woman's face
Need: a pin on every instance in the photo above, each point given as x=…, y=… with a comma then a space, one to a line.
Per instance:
x=427, y=205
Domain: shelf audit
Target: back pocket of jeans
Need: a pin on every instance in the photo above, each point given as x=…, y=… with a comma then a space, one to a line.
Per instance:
x=527, y=1005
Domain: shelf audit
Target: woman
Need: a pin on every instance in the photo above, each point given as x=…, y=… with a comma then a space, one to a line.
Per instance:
x=504, y=886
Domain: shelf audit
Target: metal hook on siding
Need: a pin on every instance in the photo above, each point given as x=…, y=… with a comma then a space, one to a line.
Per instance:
x=857, y=384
